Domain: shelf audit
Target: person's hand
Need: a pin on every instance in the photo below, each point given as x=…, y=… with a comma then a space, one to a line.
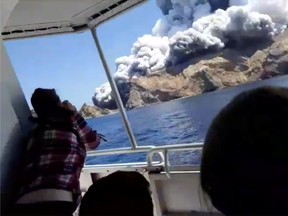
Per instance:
x=67, y=105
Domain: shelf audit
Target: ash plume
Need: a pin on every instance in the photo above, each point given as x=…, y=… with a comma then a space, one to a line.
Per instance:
x=189, y=28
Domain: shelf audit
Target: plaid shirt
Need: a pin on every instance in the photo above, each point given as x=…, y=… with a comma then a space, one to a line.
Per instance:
x=56, y=157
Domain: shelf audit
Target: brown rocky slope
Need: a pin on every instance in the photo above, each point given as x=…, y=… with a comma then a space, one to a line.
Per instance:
x=230, y=67
x=88, y=111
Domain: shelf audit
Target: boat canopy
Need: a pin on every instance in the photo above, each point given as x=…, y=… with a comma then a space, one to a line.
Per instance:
x=32, y=18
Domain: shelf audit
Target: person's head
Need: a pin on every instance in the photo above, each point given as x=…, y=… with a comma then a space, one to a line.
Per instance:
x=244, y=168
x=46, y=103
x=120, y=193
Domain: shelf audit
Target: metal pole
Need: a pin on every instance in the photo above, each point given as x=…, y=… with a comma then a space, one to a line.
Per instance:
x=114, y=90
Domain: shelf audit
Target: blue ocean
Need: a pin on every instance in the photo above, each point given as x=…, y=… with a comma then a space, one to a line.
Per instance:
x=176, y=122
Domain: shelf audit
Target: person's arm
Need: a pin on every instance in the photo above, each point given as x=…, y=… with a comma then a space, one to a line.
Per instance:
x=87, y=136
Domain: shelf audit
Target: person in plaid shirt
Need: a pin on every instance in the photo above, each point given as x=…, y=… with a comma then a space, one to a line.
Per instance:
x=55, y=158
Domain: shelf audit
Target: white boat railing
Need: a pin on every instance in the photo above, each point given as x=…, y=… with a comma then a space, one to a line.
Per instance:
x=119, y=151
x=151, y=151
x=139, y=149
x=131, y=166
x=170, y=148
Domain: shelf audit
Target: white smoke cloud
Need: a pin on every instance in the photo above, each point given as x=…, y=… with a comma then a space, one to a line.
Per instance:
x=276, y=9
x=246, y=24
x=103, y=93
x=180, y=16
x=213, y=31
x=148, y=54
x=201, y=10
x=191, y=42
x=188, y=29
x=161, y=28
x=214, y=24
x=123, y=64
x=151, y=52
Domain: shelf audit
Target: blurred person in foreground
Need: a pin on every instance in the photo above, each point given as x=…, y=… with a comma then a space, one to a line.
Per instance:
x=56, y=154
x=244, y=167
x=118, y=194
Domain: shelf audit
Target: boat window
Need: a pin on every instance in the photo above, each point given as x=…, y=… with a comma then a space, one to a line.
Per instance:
x=175, y=64
x=188, y=61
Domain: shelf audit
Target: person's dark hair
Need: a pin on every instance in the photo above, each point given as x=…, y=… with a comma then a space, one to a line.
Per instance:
x=244, y=168
x=46, y=104
x=120, y=193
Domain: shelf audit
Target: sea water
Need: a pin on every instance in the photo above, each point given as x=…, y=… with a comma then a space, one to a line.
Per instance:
x=175, y=122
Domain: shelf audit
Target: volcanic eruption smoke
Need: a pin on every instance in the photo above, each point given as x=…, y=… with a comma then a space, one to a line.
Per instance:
x=192, y=27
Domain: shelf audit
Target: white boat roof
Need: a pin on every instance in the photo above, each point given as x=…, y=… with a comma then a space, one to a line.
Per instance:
x=32, y=18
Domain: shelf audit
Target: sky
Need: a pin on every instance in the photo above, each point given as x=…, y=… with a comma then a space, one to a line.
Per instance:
x=70, y=63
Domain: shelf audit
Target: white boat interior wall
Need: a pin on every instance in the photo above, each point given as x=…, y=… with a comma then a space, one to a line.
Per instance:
x=14, y=113
x=174, y=189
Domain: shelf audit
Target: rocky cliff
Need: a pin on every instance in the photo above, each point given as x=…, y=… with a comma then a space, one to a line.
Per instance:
x=88, y=111
x=231, y=67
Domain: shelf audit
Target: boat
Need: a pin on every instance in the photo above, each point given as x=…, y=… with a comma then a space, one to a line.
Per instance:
x=175, y=189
